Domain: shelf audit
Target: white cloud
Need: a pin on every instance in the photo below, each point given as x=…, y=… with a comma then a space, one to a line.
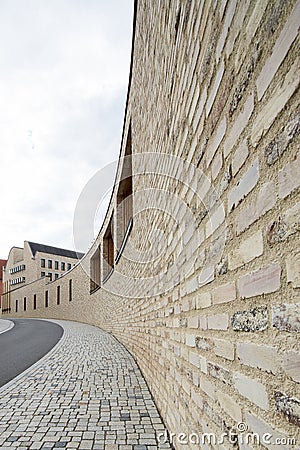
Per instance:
x=64, y=68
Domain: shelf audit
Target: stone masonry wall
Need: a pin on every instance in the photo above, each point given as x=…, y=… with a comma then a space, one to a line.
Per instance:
x=206, y=294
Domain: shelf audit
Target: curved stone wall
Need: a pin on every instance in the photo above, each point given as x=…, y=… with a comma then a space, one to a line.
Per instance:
x=204, y=290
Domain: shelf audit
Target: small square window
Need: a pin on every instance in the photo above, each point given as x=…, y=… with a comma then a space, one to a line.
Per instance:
x=43, y=274
x=43, y=262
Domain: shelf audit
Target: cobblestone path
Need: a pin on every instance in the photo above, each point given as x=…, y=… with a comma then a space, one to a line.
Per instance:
x=87, y=393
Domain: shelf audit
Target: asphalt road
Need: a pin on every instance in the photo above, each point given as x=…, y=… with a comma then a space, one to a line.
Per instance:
x=23, y=345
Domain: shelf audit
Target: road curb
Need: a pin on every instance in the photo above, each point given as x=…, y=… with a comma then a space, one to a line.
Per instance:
x=9, y=326
x=41, y=360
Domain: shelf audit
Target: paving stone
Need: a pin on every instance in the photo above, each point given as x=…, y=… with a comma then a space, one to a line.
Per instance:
x=88, y=394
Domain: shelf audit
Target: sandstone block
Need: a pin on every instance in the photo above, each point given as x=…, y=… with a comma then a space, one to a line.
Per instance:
x=218, y=322
x=244, y=186
x=291, y=365
x=281, y=95
x=289, y=177
x=224, y=293
x=249, y=249
x=239, y=157
x=264, y=201
x=224, y=348
x=280, y=50
x=252, y=389
x=261, y=281
x=259, y=356
x=229, y=405
x=239, y=125
x=293, y=269
x=286, y=317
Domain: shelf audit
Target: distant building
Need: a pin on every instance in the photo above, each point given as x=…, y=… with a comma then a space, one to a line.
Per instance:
x=2, y=265
x=25, y=265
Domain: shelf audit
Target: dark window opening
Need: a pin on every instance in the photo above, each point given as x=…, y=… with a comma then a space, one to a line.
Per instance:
x=46, y=299
x=43, y=274
x=34, y=301
x=70, y=290
x=50, y=264
x=17, y=306
x=56, y=265
x=69, y=266
x=58, y=295
x=63, y=266
x=43, y=262
x=25, y=303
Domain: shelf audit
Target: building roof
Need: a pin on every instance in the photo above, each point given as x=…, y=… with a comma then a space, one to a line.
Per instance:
x=54, y=250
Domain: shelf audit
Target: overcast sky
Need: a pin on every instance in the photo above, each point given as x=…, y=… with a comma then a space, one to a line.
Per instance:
x=64, y=67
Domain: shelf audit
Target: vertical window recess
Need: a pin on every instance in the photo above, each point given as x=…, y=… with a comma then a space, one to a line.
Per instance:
x=95, y=270
x=124, y=211
x=108, y=251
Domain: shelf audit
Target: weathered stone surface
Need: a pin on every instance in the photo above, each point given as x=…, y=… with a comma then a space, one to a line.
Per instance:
x=286, y=317
x=230, y=406
x=224, y=348
x=249, y=249
x=219, y=372
x=227, y=21
x=273, y=107
x=215, y=88
x=239, y=125
x=213, y=415
x=239, y=157
x=244, y=186
x=255, y=319
x=222, y=266
x=280, y=50
x=261, y=356
x=225, y=180
x=215, y=142
x=289, y=177
x=259, y=426
x=204, y=343
x=224, y=293
x=285, y=225
x=293, y=269
x=203, y=300
x=252, y=389
x=288, y=406
x=243, y=84
x=265, y=200
x=218, y=322
x=291, y=365
x=216, y=165
x=279, y=144
x=262, y=281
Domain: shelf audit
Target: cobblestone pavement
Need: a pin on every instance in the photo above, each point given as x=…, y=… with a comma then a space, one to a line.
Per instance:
x=87, y=393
